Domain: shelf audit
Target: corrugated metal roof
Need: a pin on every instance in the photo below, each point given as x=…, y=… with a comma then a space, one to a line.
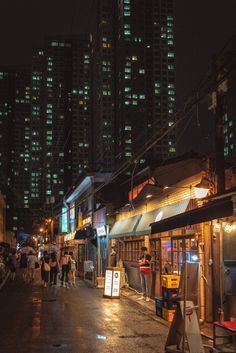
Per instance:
x=124, y=227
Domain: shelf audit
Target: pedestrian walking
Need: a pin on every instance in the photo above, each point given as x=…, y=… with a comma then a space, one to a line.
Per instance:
x=24, y=266
x=65, y=269
x=72, y=269
x=45, y=269
x=54, y=269
x=12, y=265
x=145, y=273
x=31, y=261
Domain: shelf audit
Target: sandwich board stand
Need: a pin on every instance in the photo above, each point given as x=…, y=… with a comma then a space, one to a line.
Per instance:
x=112, y=282
x=185, y=326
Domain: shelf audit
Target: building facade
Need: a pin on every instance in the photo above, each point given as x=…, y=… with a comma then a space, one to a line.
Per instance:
x=15, y=144
x=61, y=123
x=134, y=98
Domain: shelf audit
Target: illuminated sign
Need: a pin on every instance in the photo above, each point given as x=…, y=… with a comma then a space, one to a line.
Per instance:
x=101, y=231
x=69, y=236
x=64, y=220
x=108, y=283
x=72, y=211
x=112, y=283
x=86, y=220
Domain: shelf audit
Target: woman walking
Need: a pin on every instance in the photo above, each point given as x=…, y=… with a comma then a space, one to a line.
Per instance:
x=24, y=266
x=45, y=269
x=54, y=269
x=31, y=261
x=72, y=269
x=65, y=269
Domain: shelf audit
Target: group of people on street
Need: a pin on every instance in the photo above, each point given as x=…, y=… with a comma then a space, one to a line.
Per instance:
x=51, y=267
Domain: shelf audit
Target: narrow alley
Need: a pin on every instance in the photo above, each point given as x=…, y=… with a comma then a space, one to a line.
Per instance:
x=74, y=320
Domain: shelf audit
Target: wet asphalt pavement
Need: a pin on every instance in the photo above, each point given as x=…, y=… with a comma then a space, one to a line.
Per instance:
x=75, y=320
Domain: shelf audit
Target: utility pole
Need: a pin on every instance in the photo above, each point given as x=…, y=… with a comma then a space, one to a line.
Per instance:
x=218, y=98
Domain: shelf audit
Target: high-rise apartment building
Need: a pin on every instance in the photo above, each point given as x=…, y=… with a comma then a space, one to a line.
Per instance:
x=15, y=144
x=61, y=117
x=134, y=57
x=104, y=81
x=7, y=102
x=226, y=77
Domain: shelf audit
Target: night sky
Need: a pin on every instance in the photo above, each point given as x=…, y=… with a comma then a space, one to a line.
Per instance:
x=202, y=28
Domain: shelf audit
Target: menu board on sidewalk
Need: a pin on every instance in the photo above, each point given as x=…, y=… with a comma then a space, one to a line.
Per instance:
x=112, y=283
x=108, y=283
x=116, y=284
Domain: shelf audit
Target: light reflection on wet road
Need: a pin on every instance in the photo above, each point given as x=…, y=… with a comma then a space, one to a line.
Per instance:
x=75, y=320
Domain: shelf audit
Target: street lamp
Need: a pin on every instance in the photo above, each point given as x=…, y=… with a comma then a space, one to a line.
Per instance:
x=200, y=190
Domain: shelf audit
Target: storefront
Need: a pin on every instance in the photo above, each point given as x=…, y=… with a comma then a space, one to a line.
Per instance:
x=193, y=237
x=130, y=234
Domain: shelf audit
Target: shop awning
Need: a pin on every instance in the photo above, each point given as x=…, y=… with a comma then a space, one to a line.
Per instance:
x=124, y=227
x=213, y=210
x=80, y=234
x=144, y=228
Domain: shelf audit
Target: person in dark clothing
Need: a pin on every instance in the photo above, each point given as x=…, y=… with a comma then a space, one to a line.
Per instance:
x=24, y=266
x=145, y=273
x=54, y=269
x=65, y=269
x=45, y=269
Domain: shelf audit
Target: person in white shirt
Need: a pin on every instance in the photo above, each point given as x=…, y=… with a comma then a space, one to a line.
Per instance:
x=31, y=265
x=72, y=269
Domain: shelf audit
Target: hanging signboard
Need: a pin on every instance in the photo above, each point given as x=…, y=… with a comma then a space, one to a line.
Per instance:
x=101, y=231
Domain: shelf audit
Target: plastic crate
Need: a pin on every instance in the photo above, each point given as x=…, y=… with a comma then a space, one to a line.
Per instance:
x=168, y=315
x=170, y=293
x=170, y=304
x=159, y=303
x=170, y=281
x=159, y=312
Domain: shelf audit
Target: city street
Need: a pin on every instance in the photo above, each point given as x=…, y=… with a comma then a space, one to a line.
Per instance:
x=75, y=320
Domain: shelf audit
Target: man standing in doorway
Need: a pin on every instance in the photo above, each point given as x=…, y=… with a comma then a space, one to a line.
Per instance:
x=145, y=273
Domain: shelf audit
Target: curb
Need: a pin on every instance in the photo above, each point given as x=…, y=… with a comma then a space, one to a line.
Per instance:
x=149, y=311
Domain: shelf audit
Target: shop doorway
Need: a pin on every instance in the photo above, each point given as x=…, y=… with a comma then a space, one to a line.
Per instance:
x=81, y=259
x=183, y=248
